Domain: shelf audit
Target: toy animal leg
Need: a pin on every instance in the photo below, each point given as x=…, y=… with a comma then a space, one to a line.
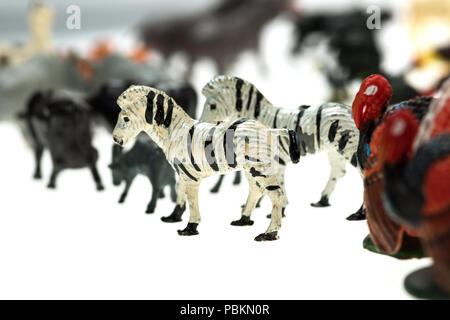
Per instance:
x=337, y=163
x=52, y=181
x=358, y=215
x=173, y=192
x=216, y=187
x=124, y=194
x=237, y=178
x=256, y=191
x=155, y=195
x=281, y=174
x=96, y=176
x=38, y=151
x=276, y=196
x=194, y=217
x=177, y=212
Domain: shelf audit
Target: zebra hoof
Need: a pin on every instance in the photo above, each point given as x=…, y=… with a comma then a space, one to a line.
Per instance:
x=271, y=236
x=37, y=176
x=150, y=211
x=214, y=190
x=100, y=187
x=243, y=221
x=323, y=202
x=171, y=219
x=358, y=215
x=190, y=230
x=51, y=186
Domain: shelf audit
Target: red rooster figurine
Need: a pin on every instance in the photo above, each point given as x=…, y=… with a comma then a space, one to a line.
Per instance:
x=417, y=187
x=370, y=109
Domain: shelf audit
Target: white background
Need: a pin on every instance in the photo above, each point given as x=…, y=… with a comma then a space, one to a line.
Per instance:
x=78, y=243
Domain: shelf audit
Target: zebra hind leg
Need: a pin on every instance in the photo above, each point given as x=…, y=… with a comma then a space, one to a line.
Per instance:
x=256, y=191
x=337, y=163
x=281, y=173
x=275, y=192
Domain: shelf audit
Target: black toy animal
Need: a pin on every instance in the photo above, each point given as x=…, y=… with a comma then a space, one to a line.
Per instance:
x=145, y=158
x=60, y=122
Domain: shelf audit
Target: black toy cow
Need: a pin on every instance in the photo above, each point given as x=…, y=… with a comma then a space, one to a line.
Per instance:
x=60, y=122
x=145, y=158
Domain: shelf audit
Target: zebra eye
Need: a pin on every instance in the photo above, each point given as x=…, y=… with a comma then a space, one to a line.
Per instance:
x=213, y=106
x=126, y=119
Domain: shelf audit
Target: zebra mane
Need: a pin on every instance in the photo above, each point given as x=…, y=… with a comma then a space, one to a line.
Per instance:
x=142, y=96
x=230, y=91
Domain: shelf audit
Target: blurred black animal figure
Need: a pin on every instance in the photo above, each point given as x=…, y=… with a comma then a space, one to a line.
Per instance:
x=220, y=34
x=145, y=158
x=60, y=122
x=355, y=47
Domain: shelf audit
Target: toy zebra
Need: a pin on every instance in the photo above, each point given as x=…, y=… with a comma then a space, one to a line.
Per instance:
x=328, y=127
x=197, y=150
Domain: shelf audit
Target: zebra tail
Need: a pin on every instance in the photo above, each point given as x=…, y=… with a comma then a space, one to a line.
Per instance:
x=294, y=151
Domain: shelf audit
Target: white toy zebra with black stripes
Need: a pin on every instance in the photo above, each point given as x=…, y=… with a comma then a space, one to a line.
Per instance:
x=197, y=150
x=328, y=127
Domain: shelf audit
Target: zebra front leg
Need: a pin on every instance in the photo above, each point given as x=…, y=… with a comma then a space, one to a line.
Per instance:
x=276, y=195
x=281, y=173
x=256, y=191
x=194, y=213
x=180, y=207
x=337, y=163
x=216, y=187
x=358, y=215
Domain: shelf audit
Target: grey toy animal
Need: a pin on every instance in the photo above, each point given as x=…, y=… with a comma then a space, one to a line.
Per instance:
x=145, y=158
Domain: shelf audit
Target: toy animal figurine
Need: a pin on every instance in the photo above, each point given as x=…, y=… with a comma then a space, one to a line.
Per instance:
x=370, y=108
x=328, y=127
x=60, y=122
x=354, y=46
x=40, y=22
x=220, y=34
x=145, y=158
x=416, y=163
x=197, y=150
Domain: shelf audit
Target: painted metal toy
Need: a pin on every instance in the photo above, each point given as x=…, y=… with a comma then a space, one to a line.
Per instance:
x=197, y=150
x=145, y=158
x=370, y=108
x=416, y=164
x=328, y=127
x=60, y=122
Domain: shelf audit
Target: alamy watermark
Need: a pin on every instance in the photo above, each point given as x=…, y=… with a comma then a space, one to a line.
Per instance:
x=73, y=21
x=374, y=19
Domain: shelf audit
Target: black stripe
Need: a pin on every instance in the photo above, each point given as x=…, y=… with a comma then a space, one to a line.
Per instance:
x=211, y=156
x=251, y=159
x=275, y=119
x=177, y=163
x=271, y=188
x=149, y=110
x=280, y=161
x=228, y=144
x=239, y=84
x=159, y=116
x=318, y=120
x=345, y=136
x=299, y=116
x=250, y=93
x=189, y=148
x=259, y=97
x=256, y=173
x=333, y=130
x=168, y=119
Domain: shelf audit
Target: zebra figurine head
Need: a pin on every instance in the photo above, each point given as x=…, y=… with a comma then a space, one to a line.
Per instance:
x=228, y=97
x=130, y=121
